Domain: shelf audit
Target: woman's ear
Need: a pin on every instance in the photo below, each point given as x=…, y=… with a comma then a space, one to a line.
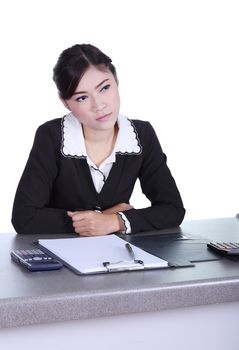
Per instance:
x=64, y=102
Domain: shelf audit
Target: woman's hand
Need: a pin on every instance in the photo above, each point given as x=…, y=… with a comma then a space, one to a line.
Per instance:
x=91, y=223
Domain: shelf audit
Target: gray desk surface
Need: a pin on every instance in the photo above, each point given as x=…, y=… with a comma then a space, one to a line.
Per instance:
x=33, y=298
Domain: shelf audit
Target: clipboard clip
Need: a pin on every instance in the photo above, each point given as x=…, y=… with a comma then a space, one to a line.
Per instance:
x=124, y=265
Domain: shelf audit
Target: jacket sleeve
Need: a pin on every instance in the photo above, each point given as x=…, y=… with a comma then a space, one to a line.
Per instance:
x=31, y=210
x=158, y=185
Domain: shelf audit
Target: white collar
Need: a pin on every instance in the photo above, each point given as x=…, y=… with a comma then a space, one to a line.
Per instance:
x=73, y=144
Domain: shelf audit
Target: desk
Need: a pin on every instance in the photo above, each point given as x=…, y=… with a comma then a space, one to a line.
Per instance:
x=153, y=309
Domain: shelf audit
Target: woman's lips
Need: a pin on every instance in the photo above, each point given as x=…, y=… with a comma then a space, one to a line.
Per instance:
x=104, y=117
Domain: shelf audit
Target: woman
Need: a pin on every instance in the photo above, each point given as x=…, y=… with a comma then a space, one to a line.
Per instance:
x=83, y=167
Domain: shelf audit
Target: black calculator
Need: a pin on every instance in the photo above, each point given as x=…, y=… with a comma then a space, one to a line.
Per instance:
x=224, y=248
x=35, y=260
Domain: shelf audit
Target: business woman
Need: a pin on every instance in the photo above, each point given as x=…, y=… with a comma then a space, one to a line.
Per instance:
x=83, y=167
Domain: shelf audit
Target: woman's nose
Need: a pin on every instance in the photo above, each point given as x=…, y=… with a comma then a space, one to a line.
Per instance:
x=98, y=104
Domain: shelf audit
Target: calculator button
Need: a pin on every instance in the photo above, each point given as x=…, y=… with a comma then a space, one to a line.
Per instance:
x=23, y=253
x=227, y=245
x=37, y=258
x=219, y=245
x=232, y=245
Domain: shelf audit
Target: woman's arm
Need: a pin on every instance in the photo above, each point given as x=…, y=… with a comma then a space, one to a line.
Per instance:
x=158, y=185
x=31, y=211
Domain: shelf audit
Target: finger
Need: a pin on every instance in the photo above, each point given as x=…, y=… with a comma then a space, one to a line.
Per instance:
x=80, y=225
x=84, y=232
x=78, y=216
x=84, y=228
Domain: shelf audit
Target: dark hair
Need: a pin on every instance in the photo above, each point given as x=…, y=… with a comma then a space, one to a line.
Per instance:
x=73, y=63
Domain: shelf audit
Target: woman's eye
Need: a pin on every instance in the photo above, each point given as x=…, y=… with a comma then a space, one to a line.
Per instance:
x=106, y=87
x=81, y=98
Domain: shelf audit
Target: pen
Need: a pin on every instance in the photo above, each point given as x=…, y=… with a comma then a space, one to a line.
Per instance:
x=130, y=250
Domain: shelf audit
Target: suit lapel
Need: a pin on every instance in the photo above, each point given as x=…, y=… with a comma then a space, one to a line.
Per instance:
x=107, y=194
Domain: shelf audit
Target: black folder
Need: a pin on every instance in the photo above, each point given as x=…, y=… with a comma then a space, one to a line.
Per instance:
x=178, y=249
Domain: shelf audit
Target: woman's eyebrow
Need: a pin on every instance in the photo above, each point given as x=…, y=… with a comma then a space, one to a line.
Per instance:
x=96, y=87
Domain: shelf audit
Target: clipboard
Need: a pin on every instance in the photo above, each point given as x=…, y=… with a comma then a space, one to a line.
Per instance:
x=103, y=254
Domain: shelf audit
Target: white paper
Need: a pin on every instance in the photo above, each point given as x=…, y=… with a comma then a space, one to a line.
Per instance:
x=87, y=254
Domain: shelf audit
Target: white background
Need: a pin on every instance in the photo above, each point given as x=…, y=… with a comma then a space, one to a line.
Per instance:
x=177, y=64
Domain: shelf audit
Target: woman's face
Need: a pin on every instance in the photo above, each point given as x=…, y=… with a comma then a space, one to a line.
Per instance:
x=96, y=101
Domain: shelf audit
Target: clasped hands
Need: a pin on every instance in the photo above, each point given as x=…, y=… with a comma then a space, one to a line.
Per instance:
x=91, y=223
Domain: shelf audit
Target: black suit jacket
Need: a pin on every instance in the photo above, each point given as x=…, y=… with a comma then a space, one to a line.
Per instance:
x=53, y=183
